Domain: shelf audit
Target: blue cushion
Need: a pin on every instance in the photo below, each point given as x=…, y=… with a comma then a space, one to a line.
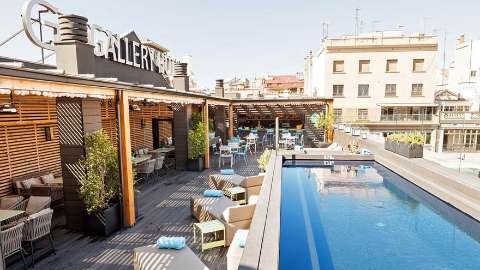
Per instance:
x=213, y=193
x=227, y=172
x=165, y=242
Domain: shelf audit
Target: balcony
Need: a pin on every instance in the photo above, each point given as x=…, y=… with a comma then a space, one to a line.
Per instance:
x=406, y=117
x=460, y=116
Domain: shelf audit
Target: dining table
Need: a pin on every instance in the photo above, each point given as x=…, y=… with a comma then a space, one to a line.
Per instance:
x=162, y=150
x=8, y=214
x=140, y=159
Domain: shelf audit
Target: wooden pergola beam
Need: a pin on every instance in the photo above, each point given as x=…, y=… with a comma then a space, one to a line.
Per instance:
x=125, y=150
x=207, y=141
x=230, y=121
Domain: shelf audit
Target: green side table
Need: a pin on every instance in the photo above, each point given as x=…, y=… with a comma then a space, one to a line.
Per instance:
x=237, y=194
x=212, y=226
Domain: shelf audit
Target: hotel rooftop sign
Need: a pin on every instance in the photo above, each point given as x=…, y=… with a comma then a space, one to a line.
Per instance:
x=148, y=56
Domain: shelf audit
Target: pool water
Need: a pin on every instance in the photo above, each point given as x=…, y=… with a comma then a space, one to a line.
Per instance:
x=360, y=215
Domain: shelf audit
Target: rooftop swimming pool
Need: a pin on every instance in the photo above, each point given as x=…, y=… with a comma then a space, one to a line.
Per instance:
x=360, y=215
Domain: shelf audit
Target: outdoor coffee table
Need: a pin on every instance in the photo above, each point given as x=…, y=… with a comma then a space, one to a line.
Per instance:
x=212, y=226
x=234, y=193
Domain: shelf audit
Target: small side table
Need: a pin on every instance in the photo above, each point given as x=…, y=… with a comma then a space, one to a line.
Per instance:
x=212, y=226
x=234, y=194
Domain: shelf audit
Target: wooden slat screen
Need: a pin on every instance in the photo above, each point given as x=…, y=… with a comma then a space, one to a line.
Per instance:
x=23, y=145
x=143, y=137
x=109, y=119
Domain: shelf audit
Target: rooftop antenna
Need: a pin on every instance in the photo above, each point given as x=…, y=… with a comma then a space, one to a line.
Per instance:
x=324, y=30
x=357, y=10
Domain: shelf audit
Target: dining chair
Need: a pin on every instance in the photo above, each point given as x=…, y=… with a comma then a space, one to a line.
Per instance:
x=159, y=164
x=11, y=239
x=242, y=152
x=225, y=153
x=146, y=168
x=36, y=227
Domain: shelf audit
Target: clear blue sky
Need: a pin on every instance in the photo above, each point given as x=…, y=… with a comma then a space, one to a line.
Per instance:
x=227, y=37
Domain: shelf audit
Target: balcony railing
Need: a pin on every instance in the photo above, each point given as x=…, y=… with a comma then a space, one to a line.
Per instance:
x=406, y=117
x=460, y=116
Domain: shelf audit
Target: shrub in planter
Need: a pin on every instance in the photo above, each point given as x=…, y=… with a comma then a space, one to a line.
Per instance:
x=409, y=145
x=196, y=145
x=263, y=160
x=99, y=185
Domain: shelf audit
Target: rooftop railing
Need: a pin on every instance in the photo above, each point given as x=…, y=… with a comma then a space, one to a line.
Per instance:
x=381, y=41
x=460, y=116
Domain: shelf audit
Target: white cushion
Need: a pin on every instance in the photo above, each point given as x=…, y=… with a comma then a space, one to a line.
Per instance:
x=253, y=199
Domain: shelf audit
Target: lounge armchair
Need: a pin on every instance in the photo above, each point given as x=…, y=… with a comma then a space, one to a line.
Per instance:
x=252, y=184
x=223, y=209
x=153, y=258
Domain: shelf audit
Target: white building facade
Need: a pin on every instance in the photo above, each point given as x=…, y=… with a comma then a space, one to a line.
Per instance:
x=383, y=81
x=464, y=73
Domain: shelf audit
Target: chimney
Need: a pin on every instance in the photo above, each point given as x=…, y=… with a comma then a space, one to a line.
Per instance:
x=461, y=39
x=219, y=90
x=73, y=53
x=181, y=81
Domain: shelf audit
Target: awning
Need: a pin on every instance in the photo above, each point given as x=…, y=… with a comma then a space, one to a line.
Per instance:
x=407, y=104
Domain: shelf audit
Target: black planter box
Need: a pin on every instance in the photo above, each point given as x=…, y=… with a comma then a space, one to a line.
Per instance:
x=405, y=149
x=195, y=164
x=103, y=223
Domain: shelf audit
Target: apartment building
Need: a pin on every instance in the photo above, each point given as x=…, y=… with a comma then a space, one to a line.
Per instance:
x=284, y=84
x=464, y=72
x=383, y=80
x=459, y=129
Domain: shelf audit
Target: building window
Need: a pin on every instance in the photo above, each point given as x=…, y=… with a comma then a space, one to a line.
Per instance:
x=417, y=89
x=338, y=114
x=390, y=90
x=392, y=65
x=363, y=90
x=338, y=90
x=418, y=65
x=473, y=73
x=338, y=66
x=362, y=114
x=364, y=66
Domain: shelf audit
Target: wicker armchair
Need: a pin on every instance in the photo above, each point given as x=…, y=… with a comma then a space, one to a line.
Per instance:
x=36, y=204
x=12, y=242
x=11, y=202
x=38, y=226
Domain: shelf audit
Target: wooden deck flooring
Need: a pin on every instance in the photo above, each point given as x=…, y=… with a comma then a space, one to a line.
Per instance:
x=165, y=209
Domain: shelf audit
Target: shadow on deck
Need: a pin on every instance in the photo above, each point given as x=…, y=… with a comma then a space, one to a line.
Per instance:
x=165, y=209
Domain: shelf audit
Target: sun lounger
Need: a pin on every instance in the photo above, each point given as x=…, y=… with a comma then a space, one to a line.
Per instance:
x=223, y=209
x=252, y=184
x=153, y=258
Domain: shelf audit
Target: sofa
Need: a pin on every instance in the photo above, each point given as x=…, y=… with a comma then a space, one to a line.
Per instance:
x=233, y=216
x=41, y=183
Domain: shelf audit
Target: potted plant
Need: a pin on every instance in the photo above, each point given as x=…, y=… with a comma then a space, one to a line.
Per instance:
x=263, y=160
x=99, y=185
x=196, y=145
x=326, y=122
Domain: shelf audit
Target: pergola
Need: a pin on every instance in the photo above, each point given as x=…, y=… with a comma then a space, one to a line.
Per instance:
x=87, y=95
